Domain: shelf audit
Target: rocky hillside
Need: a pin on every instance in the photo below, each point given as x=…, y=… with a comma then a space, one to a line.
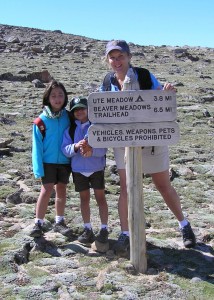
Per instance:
x=55, y=267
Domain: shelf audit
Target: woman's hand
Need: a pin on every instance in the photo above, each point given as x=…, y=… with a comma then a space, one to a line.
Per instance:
x=87, y=154
x=169, y=87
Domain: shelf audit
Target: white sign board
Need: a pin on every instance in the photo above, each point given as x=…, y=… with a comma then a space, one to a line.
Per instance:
x=132, y=106
x=133, y=134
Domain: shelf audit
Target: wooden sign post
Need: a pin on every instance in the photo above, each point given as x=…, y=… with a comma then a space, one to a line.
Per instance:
x=133, y=119
x=136, y=208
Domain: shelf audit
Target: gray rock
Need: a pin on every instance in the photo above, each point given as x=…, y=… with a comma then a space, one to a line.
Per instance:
x=37, y=83
x=195, y=280
x=15, y=198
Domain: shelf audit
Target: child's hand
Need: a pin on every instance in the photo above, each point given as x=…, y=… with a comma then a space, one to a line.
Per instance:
x=78, y=146
x=85, y=148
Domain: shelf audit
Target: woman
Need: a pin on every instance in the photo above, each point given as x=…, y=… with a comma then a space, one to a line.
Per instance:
x=155, y=159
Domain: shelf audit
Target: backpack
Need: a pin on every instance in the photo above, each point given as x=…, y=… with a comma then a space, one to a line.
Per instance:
x=42, y=128
x=72, y=129
x=41, y=125
x=144, y=79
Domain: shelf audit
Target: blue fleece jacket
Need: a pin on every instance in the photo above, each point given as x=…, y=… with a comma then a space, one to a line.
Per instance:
x=81, y=164
x=48, y=150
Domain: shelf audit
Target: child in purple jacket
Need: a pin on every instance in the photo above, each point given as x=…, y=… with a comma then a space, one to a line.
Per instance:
x=88, y=165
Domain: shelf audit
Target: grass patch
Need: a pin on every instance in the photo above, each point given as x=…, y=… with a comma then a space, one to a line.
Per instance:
x=94, y=262
x=36, y=272
x=37, y=255
x=201, y=290
x=6, y=246
x=5, y=191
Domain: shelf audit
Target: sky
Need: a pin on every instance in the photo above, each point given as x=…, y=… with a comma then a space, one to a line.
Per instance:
x=151, y=22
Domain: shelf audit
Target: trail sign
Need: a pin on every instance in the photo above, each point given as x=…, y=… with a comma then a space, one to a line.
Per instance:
x=132, y=119
x=133, y=134
x=132, y=106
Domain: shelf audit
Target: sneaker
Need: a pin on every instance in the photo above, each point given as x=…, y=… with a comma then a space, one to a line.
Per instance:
x=102, y=236
x=62, y=228
x=188, y=236
x=87, y=236
x=37, y=230
x=122, y=244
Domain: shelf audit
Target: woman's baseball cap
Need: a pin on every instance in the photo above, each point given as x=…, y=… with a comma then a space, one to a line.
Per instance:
x=120, y=45
x=78, y=102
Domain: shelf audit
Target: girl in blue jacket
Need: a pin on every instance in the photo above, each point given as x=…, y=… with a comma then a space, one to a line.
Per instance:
x=49, y=163
x=88, y=166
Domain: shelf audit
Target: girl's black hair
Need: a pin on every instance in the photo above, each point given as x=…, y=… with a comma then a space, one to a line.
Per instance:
x=53, y=84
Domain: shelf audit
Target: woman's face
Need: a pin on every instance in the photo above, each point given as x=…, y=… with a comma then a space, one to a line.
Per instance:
x=56, y=99
x=119, y=61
